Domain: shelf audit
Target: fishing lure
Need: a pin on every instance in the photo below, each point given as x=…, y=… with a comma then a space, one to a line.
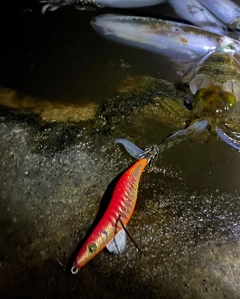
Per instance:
x=116, y=217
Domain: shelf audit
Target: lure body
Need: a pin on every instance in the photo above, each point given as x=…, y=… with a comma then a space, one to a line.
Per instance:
x=118, y=213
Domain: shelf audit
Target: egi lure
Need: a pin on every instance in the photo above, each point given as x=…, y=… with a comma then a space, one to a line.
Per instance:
x=115, y=218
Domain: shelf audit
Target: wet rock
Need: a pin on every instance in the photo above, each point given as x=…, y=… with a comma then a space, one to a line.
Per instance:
x=57, y=176
x=47, y=111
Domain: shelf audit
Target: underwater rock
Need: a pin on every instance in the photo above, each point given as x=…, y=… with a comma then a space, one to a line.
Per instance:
x=47, y=111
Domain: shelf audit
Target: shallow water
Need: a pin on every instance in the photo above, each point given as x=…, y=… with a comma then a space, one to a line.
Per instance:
x=58, y=56
x=187, y=215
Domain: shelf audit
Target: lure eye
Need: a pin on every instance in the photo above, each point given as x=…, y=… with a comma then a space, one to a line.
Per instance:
x=92, y=247
x=231, y=100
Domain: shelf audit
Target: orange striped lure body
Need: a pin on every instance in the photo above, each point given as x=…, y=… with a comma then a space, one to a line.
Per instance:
x=118, y=213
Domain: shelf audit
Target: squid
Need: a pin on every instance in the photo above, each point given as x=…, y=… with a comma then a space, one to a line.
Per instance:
x=208, y=14
x=208, y=62
x=206, y=58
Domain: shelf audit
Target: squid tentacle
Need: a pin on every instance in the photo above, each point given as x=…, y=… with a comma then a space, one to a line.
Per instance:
x=235, y=144
x=225, y=10
x=134, y=151
x=198, y=14
x=152, y=151
x=196, y=128
x=125, y=3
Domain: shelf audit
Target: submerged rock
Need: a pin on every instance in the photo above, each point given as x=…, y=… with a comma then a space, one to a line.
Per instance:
x=55, y=176
x=47, y=111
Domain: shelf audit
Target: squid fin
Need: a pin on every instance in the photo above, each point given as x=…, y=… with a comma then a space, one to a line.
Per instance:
x=118, y=244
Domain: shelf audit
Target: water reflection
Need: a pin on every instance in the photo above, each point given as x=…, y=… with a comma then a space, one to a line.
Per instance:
x=59, y=56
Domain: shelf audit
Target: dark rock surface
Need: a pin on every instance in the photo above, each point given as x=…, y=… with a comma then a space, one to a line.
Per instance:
x=55, y=177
